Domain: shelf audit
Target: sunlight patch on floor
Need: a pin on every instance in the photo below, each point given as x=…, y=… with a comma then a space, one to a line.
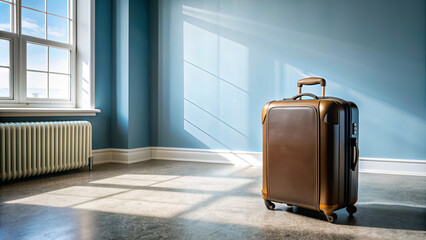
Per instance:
x=204, y=183
x=68, y=197
x=88, y=191
x=135, y=179
x=51, y=200
x=200, y=183
x=156, y=196
x=151, y=203
x=230, y=210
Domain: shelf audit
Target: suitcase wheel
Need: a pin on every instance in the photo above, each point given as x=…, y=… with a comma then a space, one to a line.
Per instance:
x=269, y=205
x=331, y=218
x=351, y=209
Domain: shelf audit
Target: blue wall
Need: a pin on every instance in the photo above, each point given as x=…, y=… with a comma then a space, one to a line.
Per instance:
x=103, y=74
x=120, y=94
x=153, y=70
x=221, y=61
x=131, y=98
x=139, y=84
x=101, y=124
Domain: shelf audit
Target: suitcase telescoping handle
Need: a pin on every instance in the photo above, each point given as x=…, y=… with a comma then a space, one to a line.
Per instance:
x=311, y=81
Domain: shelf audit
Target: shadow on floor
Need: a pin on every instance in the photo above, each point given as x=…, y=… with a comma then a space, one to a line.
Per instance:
x=388, y=216
x=374, y=215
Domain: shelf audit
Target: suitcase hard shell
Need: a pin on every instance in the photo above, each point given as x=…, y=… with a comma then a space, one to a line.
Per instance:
x=310, y=152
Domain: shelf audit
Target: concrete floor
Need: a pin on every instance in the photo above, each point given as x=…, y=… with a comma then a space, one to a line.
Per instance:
x=182, y=200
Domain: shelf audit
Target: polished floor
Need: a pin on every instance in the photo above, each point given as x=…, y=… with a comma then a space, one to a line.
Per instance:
x=183, y=200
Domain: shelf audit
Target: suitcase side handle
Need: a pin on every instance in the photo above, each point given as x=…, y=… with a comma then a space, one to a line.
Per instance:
x=312, y=81
x=303, y=94
x=355, y=154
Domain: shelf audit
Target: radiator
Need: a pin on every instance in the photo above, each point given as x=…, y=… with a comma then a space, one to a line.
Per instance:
x=34, y=148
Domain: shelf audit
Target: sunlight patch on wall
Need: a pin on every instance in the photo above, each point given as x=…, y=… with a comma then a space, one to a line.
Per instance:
x=216, y=85
x=208, y=125
x=201, y=48
x=234, y=63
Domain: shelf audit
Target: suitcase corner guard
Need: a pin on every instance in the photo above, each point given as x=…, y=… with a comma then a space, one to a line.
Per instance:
x=328, y=209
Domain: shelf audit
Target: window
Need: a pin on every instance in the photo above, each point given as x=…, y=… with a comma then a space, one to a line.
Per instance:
x=38, y=53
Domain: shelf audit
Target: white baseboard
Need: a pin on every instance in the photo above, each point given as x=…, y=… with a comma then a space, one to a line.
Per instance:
x=125, y=156
x=101, y=156
x=367, y=165
x=209, y=156
x=393, y=166
x=130, y=155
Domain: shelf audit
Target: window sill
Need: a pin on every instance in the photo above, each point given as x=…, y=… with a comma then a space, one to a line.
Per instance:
x=47, y=112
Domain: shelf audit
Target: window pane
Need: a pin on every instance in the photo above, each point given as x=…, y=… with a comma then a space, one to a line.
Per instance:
x=36, y=85
x=58, y=7
x=33, y=23
x=4, y=82
x=4, y=16
x=4, y=53
x=59, y=86
x=36, y=4
x=58, y=60
x=57, y=29
x=36, y=57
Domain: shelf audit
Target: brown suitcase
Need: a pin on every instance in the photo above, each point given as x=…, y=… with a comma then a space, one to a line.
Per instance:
x=310, y=152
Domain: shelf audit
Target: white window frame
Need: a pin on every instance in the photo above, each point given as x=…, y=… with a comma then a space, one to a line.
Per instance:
x=13, y=61
x=12, y=37
x=18, y=72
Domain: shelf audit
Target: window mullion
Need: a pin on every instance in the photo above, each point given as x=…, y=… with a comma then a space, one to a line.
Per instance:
x=22, y=90
x=19, y=81
x=48, y=71
x=48, y=50
x=18, y=17
x=47, y=42
x=12, y=17
x=45, y=19
x=12, y=66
